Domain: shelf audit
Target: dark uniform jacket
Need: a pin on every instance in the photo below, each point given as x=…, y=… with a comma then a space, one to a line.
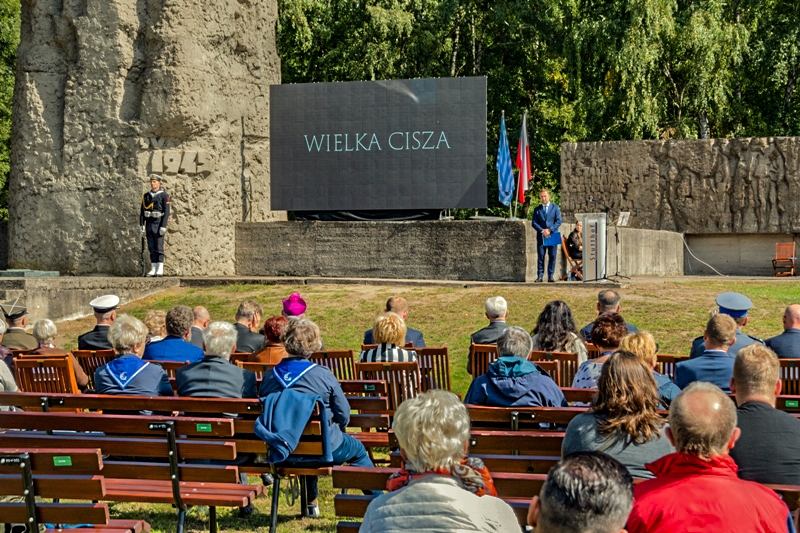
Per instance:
x=714, y=366
x=130, y=376
x=17, y=339
x=97, y=339
x=487, y=335
x=197, y=337
x=247, y=341
x=742, y=340
x=786, y=345
x=216, y=377
x=412, y=335
x=155, y=201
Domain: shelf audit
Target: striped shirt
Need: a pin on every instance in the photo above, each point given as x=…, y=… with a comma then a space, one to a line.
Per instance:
x=388, y=353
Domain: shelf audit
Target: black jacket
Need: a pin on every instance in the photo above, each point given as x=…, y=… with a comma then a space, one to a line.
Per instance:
x=97, y=339
x=246, y=340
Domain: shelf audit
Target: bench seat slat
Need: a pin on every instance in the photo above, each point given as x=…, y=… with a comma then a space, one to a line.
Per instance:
x=110, y=424
x=57, y=513
x=51, y=486
x=160, y=471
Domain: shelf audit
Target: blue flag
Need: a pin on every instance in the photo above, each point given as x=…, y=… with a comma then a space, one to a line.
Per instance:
x=505, y=176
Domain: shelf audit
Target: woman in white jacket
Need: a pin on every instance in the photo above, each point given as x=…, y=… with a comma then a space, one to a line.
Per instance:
x=438, y=488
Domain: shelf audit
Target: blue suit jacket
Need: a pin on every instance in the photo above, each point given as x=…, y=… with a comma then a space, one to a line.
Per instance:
x=412, y=335
x=173, y=348
x=551, y=221
x=713, y=366
x=786, y=345
x=742, y=340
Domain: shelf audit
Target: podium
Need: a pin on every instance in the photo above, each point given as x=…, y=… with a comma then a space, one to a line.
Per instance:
x=594, y=246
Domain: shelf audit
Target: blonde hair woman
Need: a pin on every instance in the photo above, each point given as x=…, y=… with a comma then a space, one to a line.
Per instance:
x=644, y=347
x=390, y=333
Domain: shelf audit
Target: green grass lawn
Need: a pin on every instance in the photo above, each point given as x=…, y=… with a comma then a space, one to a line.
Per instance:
x=674, y=312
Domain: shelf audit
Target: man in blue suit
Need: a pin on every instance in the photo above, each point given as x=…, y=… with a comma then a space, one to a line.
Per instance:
x=399, y=306
x=787, y=344
x=546, y=221
x=715, y=365
x=174, y=347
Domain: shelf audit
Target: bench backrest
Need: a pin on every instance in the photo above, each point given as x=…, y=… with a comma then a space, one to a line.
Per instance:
x=567, y=363
x=434, y=366
x=592, y=351
x=340, y=362
x=170, y=367
x=91, y=360
x=259, y=369
x=790, y=376
x=515, y=418
x=402, y=379
x=481, y=356
x=578, y=395
x=666, y=362
x=239, y=356
x=45, y=374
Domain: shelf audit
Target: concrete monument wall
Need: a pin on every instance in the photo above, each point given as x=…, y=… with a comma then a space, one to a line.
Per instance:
x=109, y=91
x=706, y=186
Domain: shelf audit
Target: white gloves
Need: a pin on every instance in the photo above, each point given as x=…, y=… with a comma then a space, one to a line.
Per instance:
x=162, y=231
x=142, y=230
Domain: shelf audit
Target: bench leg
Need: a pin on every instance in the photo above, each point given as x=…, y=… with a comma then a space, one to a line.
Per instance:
x=212, y=518
x=303, y=495
x=181, y=520
x=273, y=512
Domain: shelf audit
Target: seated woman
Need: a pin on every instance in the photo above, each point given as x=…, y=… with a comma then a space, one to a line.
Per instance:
x=128, y=374
x=301, y=339
x=643, y=346
x=156, y=322
x=555, y=331
x=623, y=420
x=612, y=329
x=438, y=488
x=44, y=331
x=390, y=333
x=273, y=351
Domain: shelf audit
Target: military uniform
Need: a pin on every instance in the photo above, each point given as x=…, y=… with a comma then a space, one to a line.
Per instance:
x=97, y=339
x=735, y=305
x=153, y=217
x=18, y=339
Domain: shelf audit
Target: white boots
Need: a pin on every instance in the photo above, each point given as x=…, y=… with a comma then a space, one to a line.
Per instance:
x=156, y=269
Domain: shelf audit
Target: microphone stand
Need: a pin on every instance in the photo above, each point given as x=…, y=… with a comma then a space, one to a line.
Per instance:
x=616, y=241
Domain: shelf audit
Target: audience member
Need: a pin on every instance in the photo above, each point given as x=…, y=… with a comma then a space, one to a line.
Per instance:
x=105, y=312
x=248, y=318
x=294, y=306
x=438, y=488
x=787, y=344
x=696, y=488
x=623, y=420
x=586, y=492
x=5, y=354
x=174, y=347
x=301, y=338
x=555, y=331
x=399, y=306
x=497, y=312
x=608, y=331
x=202, y=318
x=16, y=338
x=128, y=374
x=644, y=346
x=715, y=365
x=273, y=351
x=156, y=322
x=768, y=450
x=215, y=376
x=44, y=331
x=736, y=306
x=575, y=241
x=389, y=333
x=7, y=383
x=607, y=302
x=512, y=381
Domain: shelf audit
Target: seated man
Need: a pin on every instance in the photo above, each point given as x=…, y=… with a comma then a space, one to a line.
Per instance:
x=202, y=319
x=128, y=374
x=16, y=338
x=714, y=365
x=174, y=347
x=105, y=312
x=769, y=449
x=736, y=306
x=248, y=318
x=215, y=376
x=787, y=344
x=586, y=492
x=390, y=330
x=512, y=381
x=497, y=313
x=399, y=306
x=696, y=488
x=607, y=302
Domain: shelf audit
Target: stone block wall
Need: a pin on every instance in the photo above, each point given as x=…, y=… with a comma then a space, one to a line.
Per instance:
x=109, y=91
x=689, y=186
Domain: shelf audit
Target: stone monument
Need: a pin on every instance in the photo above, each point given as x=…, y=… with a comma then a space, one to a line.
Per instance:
x=109, y=91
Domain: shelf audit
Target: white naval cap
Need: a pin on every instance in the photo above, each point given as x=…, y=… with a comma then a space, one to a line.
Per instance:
x=104, y=304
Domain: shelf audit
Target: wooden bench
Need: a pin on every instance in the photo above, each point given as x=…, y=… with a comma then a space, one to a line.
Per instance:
x=434, y=366
x=790, y=376
x=91, y=360
x=666, y=363
x=71, y=473
x=521, y=464
x=574, y=395
x=517, y=418
x=567, y=364
x=402, y=379
x=340, y=362
x=480, y=357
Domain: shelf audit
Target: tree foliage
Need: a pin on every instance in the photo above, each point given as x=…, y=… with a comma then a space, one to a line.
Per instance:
x=9, y=39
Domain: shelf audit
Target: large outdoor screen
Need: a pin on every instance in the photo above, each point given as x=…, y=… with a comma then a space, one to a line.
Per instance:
x=400, y=144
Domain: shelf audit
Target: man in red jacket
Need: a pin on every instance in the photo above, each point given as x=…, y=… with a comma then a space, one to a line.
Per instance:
x=696, y=488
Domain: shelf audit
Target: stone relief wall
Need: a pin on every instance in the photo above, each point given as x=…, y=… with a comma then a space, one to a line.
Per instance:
x=689, y=186
x=109, y=91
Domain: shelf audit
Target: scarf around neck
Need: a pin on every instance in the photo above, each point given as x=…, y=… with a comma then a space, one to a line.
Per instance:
x=471, y=473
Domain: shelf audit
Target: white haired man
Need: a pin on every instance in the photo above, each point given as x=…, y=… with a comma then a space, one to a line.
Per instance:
x=215, y=376
x=497, y=312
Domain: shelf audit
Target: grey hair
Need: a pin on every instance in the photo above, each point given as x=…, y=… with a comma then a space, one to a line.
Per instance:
x=301, y=337
x=608, y=300
x=515, y=341
x=3, y=327
x=496, y=307
x=432, y=429
x=220, y=339
x=702, y=419
x=248, y=309
x=45, y=331
x=125, y=333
